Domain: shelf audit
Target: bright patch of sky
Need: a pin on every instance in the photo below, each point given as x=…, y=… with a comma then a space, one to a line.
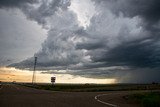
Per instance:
x=84, y=9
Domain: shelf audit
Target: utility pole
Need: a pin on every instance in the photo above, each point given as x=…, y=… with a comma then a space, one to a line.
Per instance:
x=34, y=71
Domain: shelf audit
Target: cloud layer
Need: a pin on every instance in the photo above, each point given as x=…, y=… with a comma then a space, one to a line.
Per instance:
x=119, y=39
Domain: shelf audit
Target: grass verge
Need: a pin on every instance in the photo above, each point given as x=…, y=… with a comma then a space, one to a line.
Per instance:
x=147, y=99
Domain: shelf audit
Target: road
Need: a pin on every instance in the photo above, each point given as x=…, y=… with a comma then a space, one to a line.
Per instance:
x=12, y=95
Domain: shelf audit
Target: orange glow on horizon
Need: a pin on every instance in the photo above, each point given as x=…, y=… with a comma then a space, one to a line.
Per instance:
x=13, y=74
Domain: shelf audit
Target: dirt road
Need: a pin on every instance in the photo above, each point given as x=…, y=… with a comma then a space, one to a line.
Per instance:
x=19, y=96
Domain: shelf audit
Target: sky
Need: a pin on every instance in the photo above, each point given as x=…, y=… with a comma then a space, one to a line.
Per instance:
x=94, y=40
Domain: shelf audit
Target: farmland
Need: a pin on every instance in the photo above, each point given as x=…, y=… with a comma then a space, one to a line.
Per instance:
x=94, y=87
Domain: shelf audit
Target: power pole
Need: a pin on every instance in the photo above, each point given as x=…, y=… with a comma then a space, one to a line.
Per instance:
x=34, y=71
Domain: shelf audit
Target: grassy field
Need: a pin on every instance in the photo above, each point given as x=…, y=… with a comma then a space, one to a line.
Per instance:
x=147, y=99
x=94, y=87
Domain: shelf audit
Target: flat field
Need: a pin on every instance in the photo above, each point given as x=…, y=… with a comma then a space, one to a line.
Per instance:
x=94, y=87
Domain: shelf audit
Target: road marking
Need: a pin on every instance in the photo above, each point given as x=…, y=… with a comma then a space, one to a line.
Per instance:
x=109, y=104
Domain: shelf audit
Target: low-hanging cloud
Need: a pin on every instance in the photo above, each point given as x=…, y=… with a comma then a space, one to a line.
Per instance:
x=121, y=39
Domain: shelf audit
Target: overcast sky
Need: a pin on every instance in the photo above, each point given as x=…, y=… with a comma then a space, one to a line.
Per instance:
x=89, y=38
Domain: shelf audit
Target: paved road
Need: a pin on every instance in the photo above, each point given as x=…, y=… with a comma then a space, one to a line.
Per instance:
x=19, y=96
x=115, y=99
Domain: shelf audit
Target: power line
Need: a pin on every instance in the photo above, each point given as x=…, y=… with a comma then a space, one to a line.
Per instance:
x=34, y=71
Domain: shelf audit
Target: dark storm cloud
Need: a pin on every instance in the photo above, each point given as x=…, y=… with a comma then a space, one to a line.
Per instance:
x=14, y=3
x=123, y=35
x=44, y=10
x=131, y=8
x=37, y=10
x=134, y=54
x=149, y=11
x=113, y=56
x=91, y=45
